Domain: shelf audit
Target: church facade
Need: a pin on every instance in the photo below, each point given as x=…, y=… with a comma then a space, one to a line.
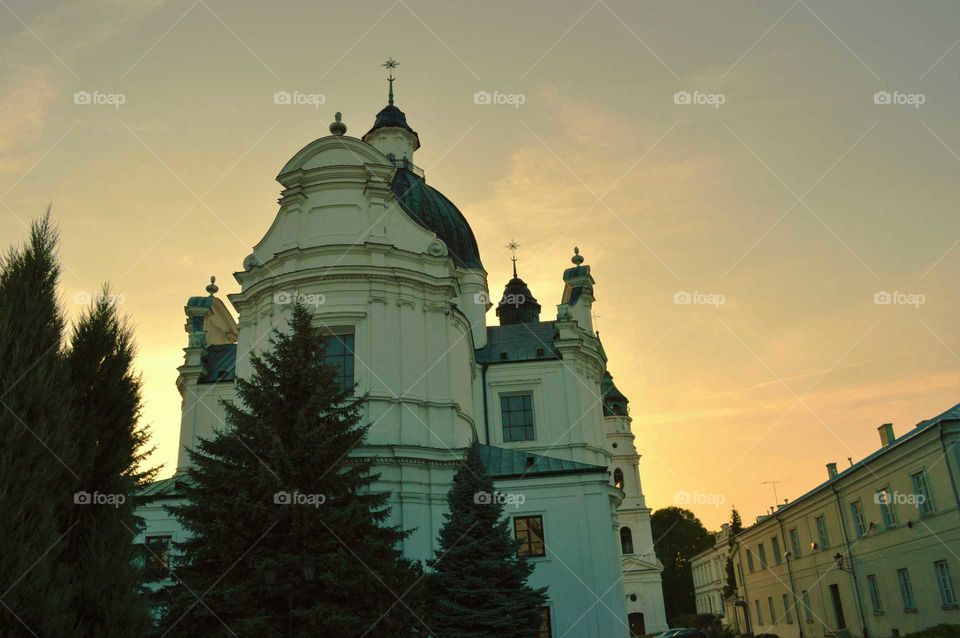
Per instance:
x=392, y=271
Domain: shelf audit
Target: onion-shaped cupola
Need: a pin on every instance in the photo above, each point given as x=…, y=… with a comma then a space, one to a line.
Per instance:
x=391, y=135
x=518, y=304
x=614, y=402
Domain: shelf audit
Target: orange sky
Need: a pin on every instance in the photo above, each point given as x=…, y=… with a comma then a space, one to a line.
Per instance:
x=782, y=211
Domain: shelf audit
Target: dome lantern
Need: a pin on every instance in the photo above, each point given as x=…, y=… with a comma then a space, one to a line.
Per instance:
x=390, y=134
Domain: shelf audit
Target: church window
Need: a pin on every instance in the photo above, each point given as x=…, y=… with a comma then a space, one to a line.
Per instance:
x=545, y=630
x=529, y=531
x=156, y=557
x=618, y=478
x=339, y=355
x=626, y=540
x=516, y=411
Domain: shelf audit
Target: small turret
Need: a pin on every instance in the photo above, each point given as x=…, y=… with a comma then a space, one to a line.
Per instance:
x=518, y=304
x=391, y=135
x=577, y=302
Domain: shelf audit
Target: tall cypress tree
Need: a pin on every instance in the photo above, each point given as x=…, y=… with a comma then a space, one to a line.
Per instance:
x=286, y=536
x=478, y=587
x=110, y=446
x=37, y=463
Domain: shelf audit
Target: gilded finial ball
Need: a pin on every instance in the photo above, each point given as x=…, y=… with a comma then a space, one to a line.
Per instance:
x=338, y=127
x=577, y=258
x=212, y=287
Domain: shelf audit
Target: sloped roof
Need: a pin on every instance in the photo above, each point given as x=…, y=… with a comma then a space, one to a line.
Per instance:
x=519, y=342
x=503, y=463
x=221, y=363
x=164, y=488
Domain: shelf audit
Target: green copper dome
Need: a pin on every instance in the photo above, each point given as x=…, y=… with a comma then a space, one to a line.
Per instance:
x=431, y=209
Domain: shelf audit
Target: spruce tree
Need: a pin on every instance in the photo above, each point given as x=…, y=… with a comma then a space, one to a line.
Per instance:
x=109, y=444
x=478, y=587
x=37, y=463
x=286, y=536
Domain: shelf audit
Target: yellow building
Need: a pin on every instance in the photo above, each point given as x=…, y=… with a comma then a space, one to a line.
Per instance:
x=873, y=551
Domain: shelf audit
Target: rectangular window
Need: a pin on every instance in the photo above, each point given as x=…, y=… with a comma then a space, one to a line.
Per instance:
x=906, y=589
x=921, y=492
x=856, y=513
x=740, y=574
x=339, y=355
x=807, y=609
x=786, y=610
x=874, y=586
x=762, y=552
x=545, y=630
x=750, y=565
x=822, y=532
x=529, y=531
x=516, y=411
x=795, y=542
x=885, y=499
x=777, y=556
x=156, y=557
x=773, y=610
x=759, y=612
x=948, y=595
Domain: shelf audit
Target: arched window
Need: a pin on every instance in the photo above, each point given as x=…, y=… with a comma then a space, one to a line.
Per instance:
x=626, y=540
x=618, y=478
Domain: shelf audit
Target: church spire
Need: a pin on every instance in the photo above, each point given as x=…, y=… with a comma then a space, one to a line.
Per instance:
x=513, y=245
x=390, y=65
x=391, y=120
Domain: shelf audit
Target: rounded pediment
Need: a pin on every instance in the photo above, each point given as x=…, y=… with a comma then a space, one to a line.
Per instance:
x=332, y=150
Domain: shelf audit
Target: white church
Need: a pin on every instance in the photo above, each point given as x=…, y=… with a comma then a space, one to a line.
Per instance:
x=393, y=272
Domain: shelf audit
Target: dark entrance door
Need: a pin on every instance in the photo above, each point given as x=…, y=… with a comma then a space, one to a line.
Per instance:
x=637, y=628
x=837, y=607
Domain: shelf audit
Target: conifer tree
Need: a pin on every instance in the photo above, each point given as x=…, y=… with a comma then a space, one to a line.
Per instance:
x=478, y=587
x=287, y=538
x=37, y=463
x=110, y=447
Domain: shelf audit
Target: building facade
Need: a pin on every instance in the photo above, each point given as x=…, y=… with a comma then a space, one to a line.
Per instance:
x=709, y=569
x=873, y=551
x=392, y=272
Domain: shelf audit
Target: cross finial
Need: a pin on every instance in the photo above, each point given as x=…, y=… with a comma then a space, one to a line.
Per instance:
x=513, y=246
x=390, y=65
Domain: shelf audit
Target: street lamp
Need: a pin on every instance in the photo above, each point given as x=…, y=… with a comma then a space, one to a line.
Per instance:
x=838, y=559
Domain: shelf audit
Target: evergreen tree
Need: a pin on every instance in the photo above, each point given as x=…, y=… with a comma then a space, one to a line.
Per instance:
x=286, y=537
x=678, y=536
x=109, y=445
x=37, y=463
x=478, y=588
x=736, y=524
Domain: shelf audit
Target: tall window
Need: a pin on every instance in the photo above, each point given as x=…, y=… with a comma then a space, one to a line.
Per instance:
x=807, y=609
x=626, y=540
x=885, y=500
x=545, y=630
x=339, y=355
x=529, y=531
x=795, y=542
x=856, y=512
x=618, y=478
x=921, y=492
x=773, y=610
x=759, y=612
x=906, y=589
x=786, y=610
x=750, y=561
x=156, y=557
x=777, y=556
x=762, y=552
x=822, y=532
x=948, y=595
x=874, y=586
x=516, y=411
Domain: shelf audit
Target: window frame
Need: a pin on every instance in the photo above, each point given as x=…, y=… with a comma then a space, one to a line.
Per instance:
x=948, y=593
x=925, y=507
x=888, y=510
x=750, y=564
x=157, y=563
x=876, y=601
x=906, y=589
x=759, y=611
x=794, y=534
x=545, y=616
x=762, y=555
x=823, y=532
x=527, y=395
x=807, y=608
x=859, y=520
x=349, y=354
x=623, y=546
x=777, y=552
x=526, y=542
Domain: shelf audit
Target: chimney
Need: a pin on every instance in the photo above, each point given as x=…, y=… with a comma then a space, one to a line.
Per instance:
x=831, y=470
x=886, y=434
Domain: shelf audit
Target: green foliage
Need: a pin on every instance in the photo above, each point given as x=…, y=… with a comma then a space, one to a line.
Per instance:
x=730, y=587
x=937, y=631
x=678, y=535
x=736, y=523
x=478, y=588
x=286, y=536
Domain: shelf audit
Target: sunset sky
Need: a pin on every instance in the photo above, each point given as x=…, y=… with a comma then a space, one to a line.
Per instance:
x=784, y=199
